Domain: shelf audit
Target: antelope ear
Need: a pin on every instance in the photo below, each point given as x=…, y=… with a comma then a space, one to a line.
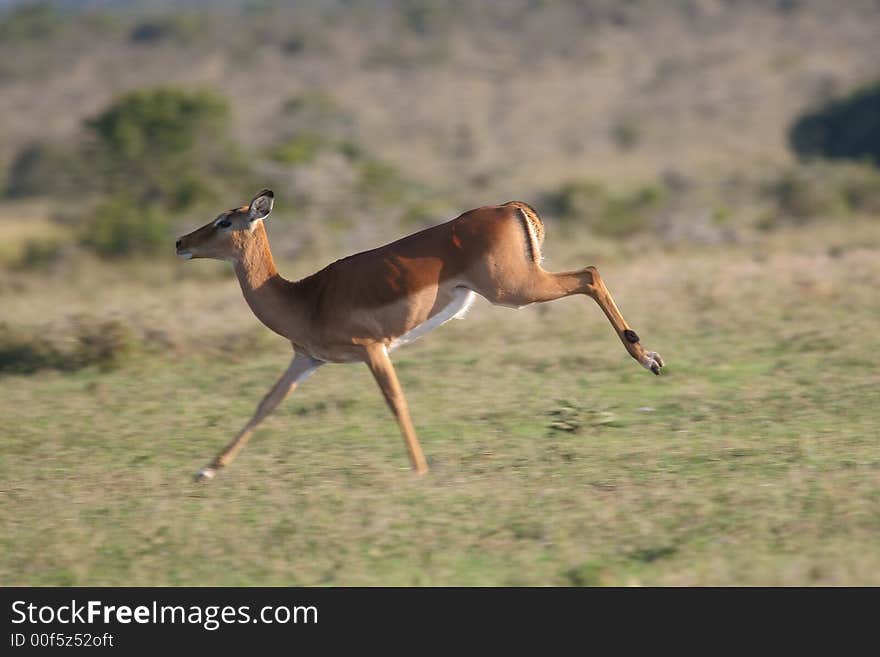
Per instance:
x=261, y=206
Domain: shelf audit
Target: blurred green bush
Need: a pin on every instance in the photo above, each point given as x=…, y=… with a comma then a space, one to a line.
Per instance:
x=105, y=344
x=821, y=190
x=846, y=128
x=31, y=22
x=182, y=28
x=119, y=226
x=156, y=153
x=151, y=143
x=613, y=214
x=299, y=149
x=40, y=254
x=45, y=169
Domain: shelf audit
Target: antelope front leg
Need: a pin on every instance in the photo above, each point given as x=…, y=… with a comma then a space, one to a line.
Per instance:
x=300, y=367
x=382, y=369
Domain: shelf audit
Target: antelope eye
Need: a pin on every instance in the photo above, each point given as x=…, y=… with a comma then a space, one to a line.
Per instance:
x=224, y=224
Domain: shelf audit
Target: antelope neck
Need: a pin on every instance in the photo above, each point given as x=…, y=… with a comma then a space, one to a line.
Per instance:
x=255, y=267
x=267, y=293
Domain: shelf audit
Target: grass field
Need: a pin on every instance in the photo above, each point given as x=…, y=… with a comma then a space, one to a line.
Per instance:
x=555, y=458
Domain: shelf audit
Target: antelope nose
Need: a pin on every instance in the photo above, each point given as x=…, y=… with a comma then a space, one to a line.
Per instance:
x=177, y=244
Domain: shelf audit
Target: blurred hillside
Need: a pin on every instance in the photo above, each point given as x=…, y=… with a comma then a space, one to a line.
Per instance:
x=444, y=106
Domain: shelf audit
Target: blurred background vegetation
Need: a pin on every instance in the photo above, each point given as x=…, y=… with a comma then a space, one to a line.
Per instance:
x=700, y=138
x=135, y=122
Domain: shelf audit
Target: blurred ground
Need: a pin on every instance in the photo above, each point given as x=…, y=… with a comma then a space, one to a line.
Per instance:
x=556, y=460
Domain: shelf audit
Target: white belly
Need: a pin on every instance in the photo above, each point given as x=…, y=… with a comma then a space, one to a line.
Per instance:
x=461, y=301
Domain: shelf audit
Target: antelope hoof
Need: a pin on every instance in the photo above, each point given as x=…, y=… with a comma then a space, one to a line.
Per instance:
x=205, y=475
x=652, y=361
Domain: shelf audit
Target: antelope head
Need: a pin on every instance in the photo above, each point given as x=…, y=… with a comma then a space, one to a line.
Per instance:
x=230, y=235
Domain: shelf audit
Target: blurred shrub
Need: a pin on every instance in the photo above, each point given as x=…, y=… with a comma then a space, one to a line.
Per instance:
x=352, y=150
x=105, y=344
x=40, y=254
x=383, y=184
x=848, y=128
x=626, y=134
x=302, y=148
x=615, y=214
x=631, y=212
x=179, y=27
x=157, y=152
x=589, y=573
x=318, y=113
x=44, y=169
x=424, y=212
x=822, y=190
x=23, y=353
x=303, y=40
x=31, y=22
x=419, y=55
x=149, y=141
x=788, y=6
x=315, y=105
x=314, y=123
x=427, y=17
x=153, y=154
x=577, y=200
x=120, y=226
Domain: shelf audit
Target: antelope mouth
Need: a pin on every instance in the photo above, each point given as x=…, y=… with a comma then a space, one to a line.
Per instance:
x=186, y=254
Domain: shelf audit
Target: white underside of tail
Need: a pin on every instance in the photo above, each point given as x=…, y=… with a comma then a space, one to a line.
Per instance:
x=461, y=302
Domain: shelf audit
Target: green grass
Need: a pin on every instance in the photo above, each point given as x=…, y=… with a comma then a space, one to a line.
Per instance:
x=753, y=460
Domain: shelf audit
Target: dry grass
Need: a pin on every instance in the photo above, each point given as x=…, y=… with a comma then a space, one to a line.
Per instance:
x=754, y=460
